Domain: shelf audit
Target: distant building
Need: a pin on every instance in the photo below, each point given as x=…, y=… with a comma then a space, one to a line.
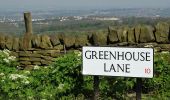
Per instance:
x=106, y=18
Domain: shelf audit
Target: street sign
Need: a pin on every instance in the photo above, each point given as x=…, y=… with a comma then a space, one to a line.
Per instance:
x=116, y=61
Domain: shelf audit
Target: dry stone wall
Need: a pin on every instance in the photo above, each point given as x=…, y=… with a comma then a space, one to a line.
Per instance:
x=36, y=49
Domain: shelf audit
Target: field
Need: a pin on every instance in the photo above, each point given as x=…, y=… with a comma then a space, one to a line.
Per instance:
x=52, y=26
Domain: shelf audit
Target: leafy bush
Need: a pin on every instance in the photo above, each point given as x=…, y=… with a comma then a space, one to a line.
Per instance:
x=50, y=82
x=67, y=69
x=63, y=80
x=69, y=77
x=159, y=85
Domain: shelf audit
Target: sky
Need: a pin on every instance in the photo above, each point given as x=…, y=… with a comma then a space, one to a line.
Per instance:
x=80, y=4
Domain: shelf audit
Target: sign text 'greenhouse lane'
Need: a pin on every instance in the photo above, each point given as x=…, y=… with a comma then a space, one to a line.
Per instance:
x=118, y=61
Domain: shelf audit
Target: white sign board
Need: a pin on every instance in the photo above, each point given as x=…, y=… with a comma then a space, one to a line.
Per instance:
x=116, y=61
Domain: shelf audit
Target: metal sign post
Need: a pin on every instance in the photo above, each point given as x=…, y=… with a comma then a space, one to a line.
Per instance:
x=138, y=88
x=96, y=87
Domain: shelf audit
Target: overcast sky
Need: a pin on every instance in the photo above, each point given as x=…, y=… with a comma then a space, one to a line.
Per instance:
x=81, y=4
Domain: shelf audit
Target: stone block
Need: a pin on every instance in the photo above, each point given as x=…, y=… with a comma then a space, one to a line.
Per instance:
x=35, y=55
x=25, y=53
x=36, y=41
x=47, y=58
x=55, y=55
x=146, y=34
x=24, y=59
x=59, y=47
x=81, y=40
x=99, y=38
x=69, y=41
x=131, y=35
x=2, y=41
x=32, y=59
x=16, y=44
x=123, y=34
x=9, y=42
x=54, y=40
x=137, y=32
x=162, y=33
x=45, y=62
x=112, y=36
x=25, y=63
x=45, y=42
x=36, y=63
x=25, y=42
x=164, y=47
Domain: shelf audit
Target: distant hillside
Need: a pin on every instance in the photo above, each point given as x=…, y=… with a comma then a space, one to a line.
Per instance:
x=124, y=12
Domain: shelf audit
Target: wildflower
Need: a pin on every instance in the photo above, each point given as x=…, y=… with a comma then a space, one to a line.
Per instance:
x=19, y=67
x=60, y=86
x=2, y=74
x=6, y=52
x=16, y=76
x=45, y=67
x=13, y=76
x=79, y=54
x=162, y=57
x=36, y=67
x=11, y=58
x=27, y=72
x=30, y=97
x=25, y=81
x=6, y=60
